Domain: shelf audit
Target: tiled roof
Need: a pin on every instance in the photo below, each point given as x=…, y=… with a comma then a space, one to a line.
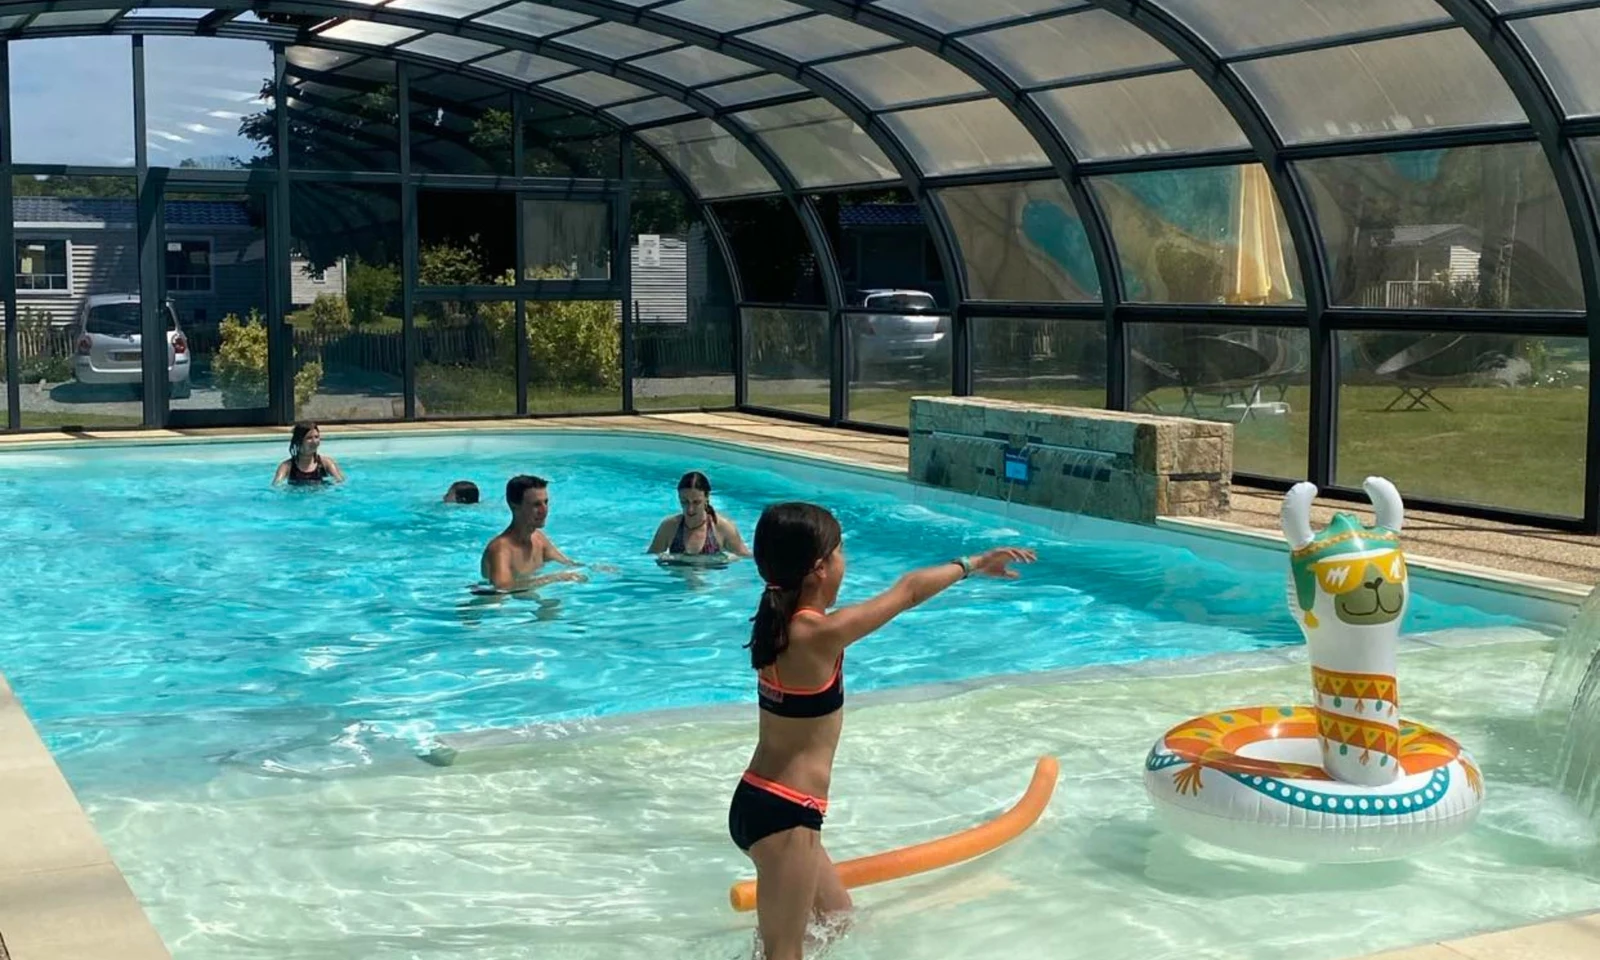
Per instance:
x=881, y=215
x=179, y=213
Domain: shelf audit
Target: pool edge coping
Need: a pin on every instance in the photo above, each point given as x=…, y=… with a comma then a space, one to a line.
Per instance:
x=62, y=894
x=137, y=939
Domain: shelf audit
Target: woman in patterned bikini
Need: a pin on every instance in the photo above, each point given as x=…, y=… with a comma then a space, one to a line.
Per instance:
x=697, y=531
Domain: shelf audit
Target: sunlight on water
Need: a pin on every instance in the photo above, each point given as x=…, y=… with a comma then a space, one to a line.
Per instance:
x=614, y=844
x=237, y=679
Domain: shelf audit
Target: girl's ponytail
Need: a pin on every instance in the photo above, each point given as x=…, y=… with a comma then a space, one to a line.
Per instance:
x=769, y=631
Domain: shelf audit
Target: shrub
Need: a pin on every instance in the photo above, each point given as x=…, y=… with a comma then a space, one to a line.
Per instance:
x=369, y=290
x=240, y=366
x=306, y=382
x=328, y=314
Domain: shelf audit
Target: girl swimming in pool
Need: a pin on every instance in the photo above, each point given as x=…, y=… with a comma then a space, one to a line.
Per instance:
x=797, y=648
x=697, y=530
x=305, y=464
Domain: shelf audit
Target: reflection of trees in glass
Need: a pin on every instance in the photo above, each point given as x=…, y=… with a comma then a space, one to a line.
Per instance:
x=775, y=260
x=63, y=186
x=333, y=134
x=1468, y=227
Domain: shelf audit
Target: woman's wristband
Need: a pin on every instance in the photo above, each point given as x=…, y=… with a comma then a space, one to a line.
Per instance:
x=966, y=566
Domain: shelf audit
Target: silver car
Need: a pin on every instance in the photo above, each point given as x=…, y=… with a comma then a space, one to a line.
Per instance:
x=903, y=328
x=108, y=348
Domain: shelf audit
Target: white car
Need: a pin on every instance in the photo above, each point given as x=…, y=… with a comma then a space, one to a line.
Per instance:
x=108, y=346
x=904, y=327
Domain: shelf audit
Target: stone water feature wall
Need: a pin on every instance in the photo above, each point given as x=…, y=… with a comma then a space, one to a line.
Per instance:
x=1121, y=466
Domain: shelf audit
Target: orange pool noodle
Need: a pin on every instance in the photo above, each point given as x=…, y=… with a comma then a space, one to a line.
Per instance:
x=933, y=854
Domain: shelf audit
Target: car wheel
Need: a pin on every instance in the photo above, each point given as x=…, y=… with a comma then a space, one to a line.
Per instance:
x=182, y=391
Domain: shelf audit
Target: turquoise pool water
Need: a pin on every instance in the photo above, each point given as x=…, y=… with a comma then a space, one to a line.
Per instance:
x=170, y=614
x=235, y=677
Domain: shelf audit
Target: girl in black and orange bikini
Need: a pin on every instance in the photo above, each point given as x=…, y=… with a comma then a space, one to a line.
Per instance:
x=797, y=648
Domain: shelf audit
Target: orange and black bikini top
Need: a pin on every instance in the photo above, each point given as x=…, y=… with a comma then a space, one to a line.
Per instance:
x=801, y=704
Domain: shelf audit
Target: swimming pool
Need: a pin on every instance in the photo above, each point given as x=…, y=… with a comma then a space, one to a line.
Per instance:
x=200, y=649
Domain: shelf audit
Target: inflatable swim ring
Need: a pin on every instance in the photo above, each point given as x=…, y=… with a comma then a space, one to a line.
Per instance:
x=1347, y=778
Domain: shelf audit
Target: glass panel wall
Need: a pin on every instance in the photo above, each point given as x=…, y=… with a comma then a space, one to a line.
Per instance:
x=345, y=292
x=1211, y=235
x=1493, y=419
x=1466, y=228
x=460, y=126
x=466, y=238
x=76, y=261
x=1022, y=241
x=684, y=321
x=574, y=356
x=466, y=358
x=72, y=101
x=203, y=96
x=1256, y=378
x=344, y=112
x=1039, y=361
x=788, y=356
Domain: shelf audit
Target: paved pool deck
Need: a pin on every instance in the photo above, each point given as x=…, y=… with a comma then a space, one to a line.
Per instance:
x=63, y=898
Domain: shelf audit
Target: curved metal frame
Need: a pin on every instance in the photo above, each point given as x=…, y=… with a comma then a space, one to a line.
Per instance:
x=1489, y=29
x=1060, y=153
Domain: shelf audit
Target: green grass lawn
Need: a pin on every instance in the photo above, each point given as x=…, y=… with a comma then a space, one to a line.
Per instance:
x=1517, y=448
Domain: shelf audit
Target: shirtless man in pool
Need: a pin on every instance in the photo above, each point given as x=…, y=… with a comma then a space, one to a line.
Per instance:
x=512, y=558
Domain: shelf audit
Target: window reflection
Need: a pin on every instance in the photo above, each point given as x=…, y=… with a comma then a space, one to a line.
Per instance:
x=208, y=102
x=1467, y=228
x=72, y=101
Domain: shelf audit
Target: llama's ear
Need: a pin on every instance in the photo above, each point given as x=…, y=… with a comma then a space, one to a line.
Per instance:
x=1296, y=514
x=1386, y=503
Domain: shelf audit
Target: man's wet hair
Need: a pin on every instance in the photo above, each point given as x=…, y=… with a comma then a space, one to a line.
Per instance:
x=521, y=484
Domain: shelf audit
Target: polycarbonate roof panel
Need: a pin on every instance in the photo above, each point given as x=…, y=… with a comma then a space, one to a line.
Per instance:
x=694, y=66
x=596, y=89
x=1513, y=6
x=1233, y=27
x=526, y=67
x=445, y=8
x=1566, y=46
x=1022, y=241
x=179, y=13
x=763, y=87
x=533, y=20
x=1162, y=113
x=615, y=40
x=451, y=48
x=1069, y=47
x=946, y=16
x=1431, y=81
x=966, y=137
x=815, y=38
x=820, y=146
x=726, y=16
x=367, y=32
x=899, y=77
x=649, y=111
x=73, y=18
x=715, y=164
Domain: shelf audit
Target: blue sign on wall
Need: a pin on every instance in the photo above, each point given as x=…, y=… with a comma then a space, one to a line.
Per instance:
x=1016, y=467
